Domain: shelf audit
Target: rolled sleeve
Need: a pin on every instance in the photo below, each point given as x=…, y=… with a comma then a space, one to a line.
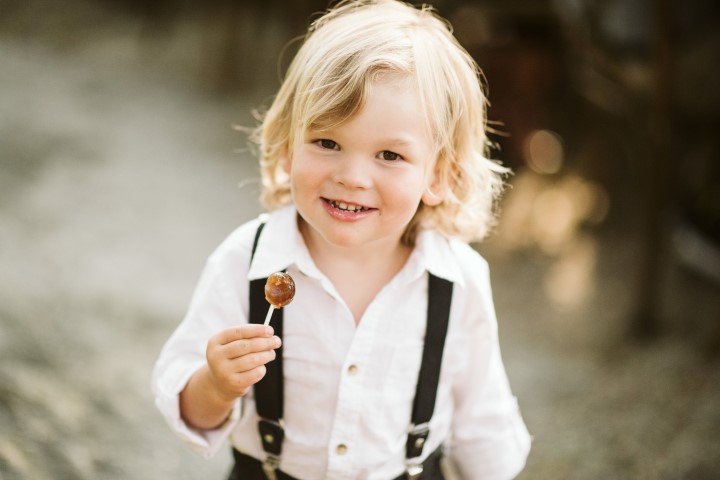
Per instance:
x=217, y=303
x=489, y=439
x=167, y=400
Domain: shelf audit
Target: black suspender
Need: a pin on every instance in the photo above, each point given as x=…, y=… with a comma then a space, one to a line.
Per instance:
x=438, y=316
x=269, y=395
x=269, y=392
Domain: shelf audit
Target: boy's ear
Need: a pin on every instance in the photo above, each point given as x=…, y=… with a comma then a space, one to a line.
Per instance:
x=434, y=192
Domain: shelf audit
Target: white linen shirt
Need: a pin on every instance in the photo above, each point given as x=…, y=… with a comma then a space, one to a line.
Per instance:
x=349, y=388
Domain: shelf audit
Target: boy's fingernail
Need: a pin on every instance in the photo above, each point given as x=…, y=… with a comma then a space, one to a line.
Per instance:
x=269, y=330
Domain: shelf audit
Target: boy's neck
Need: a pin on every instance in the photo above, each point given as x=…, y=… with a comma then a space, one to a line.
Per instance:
x=357, y=276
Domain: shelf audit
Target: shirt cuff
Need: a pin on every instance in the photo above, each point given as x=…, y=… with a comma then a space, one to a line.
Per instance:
x=205, y=442
x=502, y=457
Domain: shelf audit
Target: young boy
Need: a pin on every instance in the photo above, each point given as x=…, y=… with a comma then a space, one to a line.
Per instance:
x=373, y=165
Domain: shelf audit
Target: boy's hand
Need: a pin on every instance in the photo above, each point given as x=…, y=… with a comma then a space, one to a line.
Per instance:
x=237, y=356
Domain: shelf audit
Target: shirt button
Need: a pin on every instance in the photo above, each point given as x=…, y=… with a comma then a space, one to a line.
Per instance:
x=341, y=449
x=352, y=370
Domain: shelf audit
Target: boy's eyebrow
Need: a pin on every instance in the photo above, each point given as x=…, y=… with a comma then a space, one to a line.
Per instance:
x=398, y=141
x=389, y=140
x=318, y=132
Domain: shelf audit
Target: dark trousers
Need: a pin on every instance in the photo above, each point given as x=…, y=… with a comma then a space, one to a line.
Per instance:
x=249, y=468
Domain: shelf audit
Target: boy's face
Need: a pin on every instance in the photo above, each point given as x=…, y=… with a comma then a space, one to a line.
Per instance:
x=359, y=184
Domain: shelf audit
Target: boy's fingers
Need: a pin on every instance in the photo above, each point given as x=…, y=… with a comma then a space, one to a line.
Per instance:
x=252, y=361
x=252, y=376
x=246, y=347
x=240, y=332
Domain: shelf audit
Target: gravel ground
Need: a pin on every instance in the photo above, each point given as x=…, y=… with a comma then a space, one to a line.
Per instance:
x=117, y=178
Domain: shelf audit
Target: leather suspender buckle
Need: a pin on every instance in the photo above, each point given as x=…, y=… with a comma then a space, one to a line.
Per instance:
x=416, y=439
x=272, y=434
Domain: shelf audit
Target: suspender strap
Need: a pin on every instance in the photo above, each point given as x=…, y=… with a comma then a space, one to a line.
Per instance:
x=438, y=316
x=269, y=395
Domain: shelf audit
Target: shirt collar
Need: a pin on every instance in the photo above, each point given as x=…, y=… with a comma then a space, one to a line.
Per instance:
x=281, y=245
x=433, y=253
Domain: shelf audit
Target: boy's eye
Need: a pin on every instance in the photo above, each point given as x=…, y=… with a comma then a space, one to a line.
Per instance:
x=388, y=155
x=325, y=143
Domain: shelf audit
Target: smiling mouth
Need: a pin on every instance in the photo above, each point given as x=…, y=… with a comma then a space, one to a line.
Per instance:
x=347, y=207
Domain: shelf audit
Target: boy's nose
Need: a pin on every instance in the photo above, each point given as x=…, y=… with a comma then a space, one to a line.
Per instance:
x=353, y=172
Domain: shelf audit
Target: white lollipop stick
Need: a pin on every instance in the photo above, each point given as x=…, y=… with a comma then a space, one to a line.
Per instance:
x=269, y=314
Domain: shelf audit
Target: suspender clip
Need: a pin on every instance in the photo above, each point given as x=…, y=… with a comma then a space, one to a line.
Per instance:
x=420, y=428
x=272, y=434
x=414, y=471
x=271, y=463
x=416, y=438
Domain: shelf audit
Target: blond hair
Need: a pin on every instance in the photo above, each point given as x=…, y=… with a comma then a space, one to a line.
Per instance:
x=347, y=49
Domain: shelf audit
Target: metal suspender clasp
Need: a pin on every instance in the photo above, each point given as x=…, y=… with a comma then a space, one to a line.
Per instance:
x=271, y=435
x=417, y=436
x=270, y=465
x=414, y=471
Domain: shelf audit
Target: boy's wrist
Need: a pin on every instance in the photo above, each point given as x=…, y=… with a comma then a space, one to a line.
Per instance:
x=219, y=395
x=202, y=405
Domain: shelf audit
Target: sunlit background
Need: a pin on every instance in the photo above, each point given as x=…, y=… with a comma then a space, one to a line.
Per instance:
x=123, y=164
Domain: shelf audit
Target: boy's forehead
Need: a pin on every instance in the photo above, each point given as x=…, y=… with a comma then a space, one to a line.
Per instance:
x=329, y=113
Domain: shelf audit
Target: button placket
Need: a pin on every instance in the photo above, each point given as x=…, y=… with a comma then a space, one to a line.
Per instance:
x=352, y=398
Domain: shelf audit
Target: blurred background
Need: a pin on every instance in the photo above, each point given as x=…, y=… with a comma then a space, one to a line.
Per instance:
x=122, y=166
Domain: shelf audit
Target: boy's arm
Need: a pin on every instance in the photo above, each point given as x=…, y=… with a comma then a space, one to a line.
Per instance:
x=236, y=359
x=219, y=302
x=489, y=440
x=201, y=406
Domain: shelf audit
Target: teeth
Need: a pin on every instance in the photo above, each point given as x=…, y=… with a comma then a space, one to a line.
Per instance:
x=346, y=207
